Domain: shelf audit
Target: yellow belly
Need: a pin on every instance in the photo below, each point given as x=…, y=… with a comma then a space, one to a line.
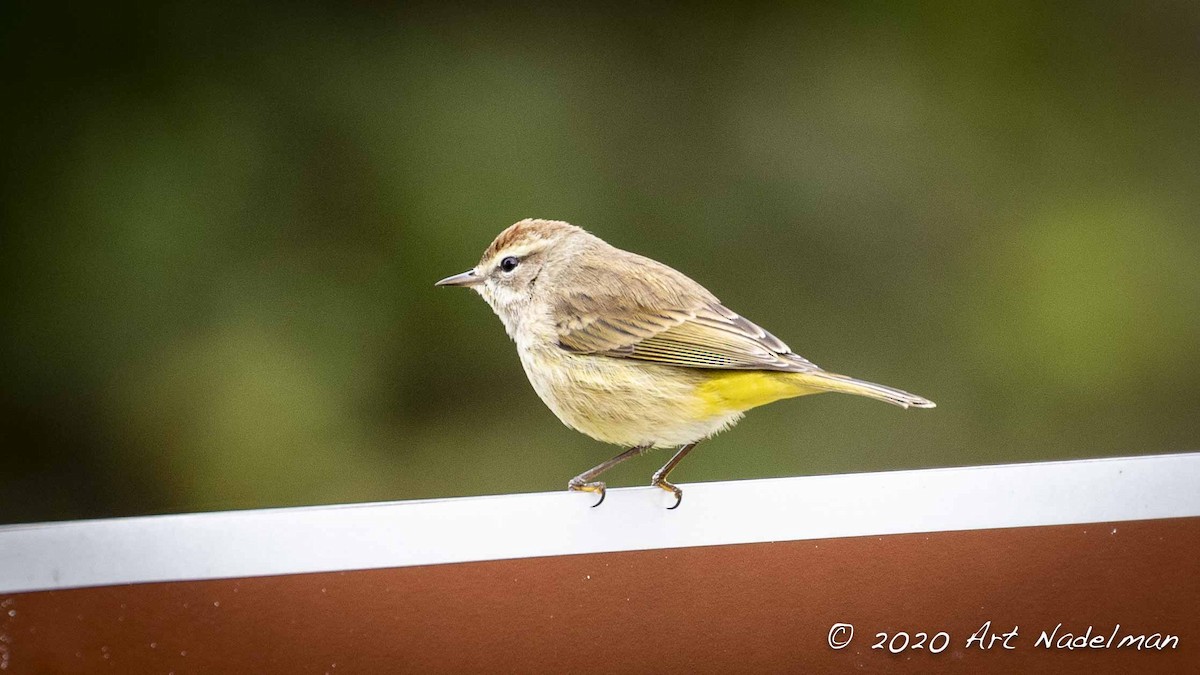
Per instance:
x=631, y=403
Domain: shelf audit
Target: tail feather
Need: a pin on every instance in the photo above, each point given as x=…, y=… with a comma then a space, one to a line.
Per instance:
x=825, y=381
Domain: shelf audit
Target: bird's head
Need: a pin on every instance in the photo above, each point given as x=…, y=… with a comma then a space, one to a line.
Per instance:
x=511, y=268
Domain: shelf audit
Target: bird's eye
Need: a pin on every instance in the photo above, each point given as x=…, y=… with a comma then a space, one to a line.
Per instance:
x=509, y=264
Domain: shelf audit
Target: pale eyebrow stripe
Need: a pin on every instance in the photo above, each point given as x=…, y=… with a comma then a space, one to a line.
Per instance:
x=520, y=252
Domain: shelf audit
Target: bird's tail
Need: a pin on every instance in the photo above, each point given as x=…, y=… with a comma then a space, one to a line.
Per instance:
x=825, y=381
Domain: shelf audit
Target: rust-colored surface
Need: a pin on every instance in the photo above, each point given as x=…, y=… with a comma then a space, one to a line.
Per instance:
x=745, y=608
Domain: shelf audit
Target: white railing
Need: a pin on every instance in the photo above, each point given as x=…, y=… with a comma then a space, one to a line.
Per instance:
x=364, y=536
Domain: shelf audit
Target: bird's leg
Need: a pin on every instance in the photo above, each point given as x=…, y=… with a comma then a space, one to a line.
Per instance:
x=660, y=476
x=584, y=483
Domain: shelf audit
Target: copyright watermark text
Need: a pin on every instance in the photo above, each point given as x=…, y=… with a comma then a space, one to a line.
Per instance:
x=989, y=637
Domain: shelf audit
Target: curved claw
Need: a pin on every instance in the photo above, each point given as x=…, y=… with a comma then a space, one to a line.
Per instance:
x=678, y=500
x=660, y=483
x=597, y=487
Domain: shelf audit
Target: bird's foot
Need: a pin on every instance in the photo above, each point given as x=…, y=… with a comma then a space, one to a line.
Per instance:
x=579, y=485
x=660, y=482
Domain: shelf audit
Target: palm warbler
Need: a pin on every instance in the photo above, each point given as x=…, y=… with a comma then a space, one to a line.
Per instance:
x=632, y=352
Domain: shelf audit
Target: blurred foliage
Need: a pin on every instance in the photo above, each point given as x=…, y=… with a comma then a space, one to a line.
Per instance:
x=222, y=222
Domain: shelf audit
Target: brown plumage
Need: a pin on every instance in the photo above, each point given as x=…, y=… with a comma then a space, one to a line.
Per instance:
x=633, y=352
x=654, y=313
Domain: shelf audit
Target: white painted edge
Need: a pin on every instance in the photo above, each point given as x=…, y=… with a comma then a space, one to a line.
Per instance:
x=396, y=534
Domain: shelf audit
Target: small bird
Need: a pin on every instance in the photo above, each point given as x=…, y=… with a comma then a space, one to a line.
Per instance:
x=632, y=352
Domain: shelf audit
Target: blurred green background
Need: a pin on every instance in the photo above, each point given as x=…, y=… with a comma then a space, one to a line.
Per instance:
x=222, y=225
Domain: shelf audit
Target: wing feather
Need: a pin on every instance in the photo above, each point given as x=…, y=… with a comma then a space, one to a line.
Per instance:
x=670, y=320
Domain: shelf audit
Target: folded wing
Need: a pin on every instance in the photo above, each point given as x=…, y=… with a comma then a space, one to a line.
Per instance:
x=665, y=317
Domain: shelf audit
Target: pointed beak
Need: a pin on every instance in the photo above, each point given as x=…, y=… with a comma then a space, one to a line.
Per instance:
x=468, y=278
